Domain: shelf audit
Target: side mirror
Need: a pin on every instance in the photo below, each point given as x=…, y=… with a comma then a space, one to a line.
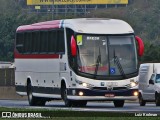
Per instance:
x=151, y=82
x=73, y=46
x=140, y=46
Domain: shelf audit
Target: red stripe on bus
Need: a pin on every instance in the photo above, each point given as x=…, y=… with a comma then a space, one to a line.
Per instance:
x=35, y=56
x=40, y=26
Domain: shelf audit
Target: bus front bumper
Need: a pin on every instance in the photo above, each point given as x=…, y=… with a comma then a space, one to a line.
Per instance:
x=97, y=98
x=95, y=95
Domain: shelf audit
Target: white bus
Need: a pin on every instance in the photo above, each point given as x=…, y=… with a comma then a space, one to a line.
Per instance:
x=77, y=60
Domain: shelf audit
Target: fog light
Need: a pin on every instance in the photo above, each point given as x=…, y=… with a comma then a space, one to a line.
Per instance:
x=80, y=93
x=135, y=93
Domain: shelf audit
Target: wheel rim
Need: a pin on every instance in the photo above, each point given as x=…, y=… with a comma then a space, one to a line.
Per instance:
x=30, y=96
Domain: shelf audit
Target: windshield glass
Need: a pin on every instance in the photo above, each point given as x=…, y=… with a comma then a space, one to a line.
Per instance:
x=96, y=54
x=123, y=48
x=157, y=78
x=90, y=49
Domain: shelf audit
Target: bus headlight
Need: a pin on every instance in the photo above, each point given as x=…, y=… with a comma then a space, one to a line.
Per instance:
x=87, y=85
x=133, y=84
x=84, y=84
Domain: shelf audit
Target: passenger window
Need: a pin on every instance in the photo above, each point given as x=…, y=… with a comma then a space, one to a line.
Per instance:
x=19, y=42
x=52, y=41
x=27, y=42
x=38, y=47
x=43, y=41
x=34, y=42
x=61, y=43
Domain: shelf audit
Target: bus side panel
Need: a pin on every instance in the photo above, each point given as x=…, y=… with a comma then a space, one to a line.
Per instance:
x=43, y=73
x=20, y=83
x=48, y=72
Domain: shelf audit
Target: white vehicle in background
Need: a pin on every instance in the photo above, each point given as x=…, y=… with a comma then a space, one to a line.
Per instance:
x=77, y=60
x=149, y=83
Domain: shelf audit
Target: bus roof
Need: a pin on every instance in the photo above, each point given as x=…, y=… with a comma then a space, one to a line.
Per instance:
x=83, y=25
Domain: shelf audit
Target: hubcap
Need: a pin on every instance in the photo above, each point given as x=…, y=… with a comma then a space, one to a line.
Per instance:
x=30, y=96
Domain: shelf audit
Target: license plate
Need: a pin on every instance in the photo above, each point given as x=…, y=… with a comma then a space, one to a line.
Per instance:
x=109, y=95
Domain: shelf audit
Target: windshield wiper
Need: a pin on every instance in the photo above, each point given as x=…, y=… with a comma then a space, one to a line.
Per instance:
x=116, y=60
x=97, y=63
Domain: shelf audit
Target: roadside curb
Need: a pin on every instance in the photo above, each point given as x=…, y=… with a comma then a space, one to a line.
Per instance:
x=10, y=93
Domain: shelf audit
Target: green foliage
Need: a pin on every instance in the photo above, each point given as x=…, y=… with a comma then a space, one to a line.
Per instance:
x=142, y=15
x=12, y=16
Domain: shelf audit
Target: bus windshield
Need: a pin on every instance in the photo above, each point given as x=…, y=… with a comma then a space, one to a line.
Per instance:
x=97, y=54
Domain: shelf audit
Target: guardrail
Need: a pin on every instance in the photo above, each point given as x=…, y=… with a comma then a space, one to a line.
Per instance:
x=7, y=84
x=7, y=77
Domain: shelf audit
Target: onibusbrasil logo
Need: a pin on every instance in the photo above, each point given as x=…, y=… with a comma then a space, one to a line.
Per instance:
x=22, y=115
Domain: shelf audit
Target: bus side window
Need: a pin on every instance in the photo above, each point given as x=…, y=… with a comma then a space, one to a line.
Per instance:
x=38, y=42
x=43, y=41
x=27, y=42
x=60, y=40
x=52, y=41
x=24, y=48
x=19, y=42
x=34, y=42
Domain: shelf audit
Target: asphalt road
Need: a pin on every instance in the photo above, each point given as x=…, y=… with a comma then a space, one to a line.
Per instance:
x=91, y=106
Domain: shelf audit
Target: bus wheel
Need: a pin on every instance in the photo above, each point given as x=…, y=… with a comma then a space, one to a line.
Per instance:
x=118, y=103
x=157, y=99
x=34, y=101
x=68, y=103
x=31, y=98
x=141, y=101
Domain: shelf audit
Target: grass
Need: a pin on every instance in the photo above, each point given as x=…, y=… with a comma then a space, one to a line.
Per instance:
x=96, y=118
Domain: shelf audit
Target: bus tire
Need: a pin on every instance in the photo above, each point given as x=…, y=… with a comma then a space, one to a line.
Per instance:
x=68, y=103
x=118, y=103
x=31, y=98
x=34, y=101
x=157, y=99
x=141, y=101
